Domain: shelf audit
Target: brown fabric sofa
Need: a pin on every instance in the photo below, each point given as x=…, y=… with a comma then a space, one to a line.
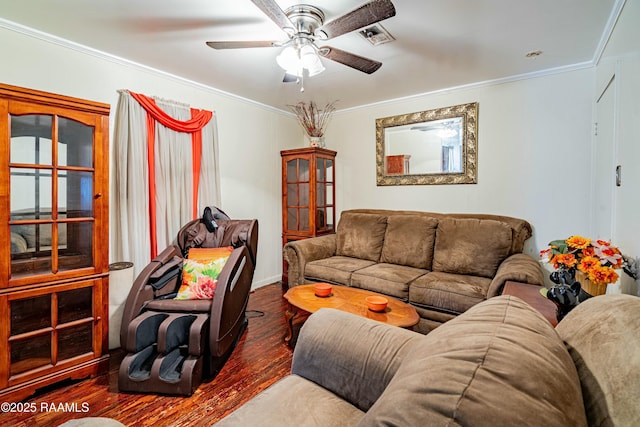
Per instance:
x=498, y=364
x=442, y=264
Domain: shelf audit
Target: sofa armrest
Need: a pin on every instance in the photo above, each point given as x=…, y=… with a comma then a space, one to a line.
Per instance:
x=349, y=355
x=518, y=268
x=299, y=252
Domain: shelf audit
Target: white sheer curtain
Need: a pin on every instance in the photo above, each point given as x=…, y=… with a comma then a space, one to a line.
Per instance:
x=173, y=179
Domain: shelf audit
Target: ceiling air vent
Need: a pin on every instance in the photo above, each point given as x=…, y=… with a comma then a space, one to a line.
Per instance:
x=376, y=35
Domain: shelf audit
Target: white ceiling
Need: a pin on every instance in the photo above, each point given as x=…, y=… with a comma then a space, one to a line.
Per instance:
x=439, y=44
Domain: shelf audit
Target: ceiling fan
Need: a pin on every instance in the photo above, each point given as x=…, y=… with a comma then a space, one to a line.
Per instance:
x=304, y=25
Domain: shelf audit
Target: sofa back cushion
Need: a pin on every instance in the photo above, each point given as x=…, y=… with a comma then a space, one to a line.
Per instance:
x=520, y=229
x=602, y=337
x=409, y=241
x=360, y=235
x=498, y=364
x=471, y=246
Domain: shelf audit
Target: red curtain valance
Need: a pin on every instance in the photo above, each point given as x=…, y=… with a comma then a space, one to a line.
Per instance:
x=199, y=119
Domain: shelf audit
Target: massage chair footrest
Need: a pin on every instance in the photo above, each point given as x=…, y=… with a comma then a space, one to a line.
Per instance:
x=165, y=353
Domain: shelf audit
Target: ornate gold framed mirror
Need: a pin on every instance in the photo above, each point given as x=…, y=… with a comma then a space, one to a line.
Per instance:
x=437, y=146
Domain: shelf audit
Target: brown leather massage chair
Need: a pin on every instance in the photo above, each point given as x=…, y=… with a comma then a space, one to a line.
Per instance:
x=173, y=345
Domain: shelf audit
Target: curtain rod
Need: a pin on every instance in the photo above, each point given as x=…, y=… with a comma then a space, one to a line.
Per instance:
x=162, y=100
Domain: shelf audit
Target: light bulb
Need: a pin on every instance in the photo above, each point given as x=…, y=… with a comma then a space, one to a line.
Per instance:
x=288, y=60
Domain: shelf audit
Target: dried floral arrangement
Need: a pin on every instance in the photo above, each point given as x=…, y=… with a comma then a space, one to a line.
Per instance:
x=313, y=119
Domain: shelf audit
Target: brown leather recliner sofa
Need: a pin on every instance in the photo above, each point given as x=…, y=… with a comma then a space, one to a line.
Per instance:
x=498, y=364
x=442, y=264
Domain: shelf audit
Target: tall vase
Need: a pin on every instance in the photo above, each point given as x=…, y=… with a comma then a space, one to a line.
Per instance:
x=317, y=141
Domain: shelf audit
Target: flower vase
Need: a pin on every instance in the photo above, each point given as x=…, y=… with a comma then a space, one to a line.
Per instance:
x=592, y=288
x=316, y=141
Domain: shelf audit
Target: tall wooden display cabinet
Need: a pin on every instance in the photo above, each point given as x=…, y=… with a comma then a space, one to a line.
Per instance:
x=308, y=194
x=54, y=194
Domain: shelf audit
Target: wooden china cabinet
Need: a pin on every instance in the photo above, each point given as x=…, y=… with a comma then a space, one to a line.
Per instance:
x=54, y=238
x=308, y=194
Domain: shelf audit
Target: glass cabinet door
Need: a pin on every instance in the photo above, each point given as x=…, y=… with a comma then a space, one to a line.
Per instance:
x=324, y=195
x=298, y=181
x=51, y=188
x=51, y=328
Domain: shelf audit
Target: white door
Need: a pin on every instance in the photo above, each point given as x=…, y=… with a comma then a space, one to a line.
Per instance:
x=604, y=170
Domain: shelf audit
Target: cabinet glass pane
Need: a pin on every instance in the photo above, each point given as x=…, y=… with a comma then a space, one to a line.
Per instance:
x=330, y=170
x=292, y=219
x=30, y=353
x=329, y=189
x=75, y=194
x=292, y=195
x=78, y=251
x=75, y=341
x=30, y=193
x=320, y=194
x=304, y=220
x=321, y=219
x=30, y=238
x=75, y=146
x=304, y=194
x=292, y=168
x=320, y=173
x=75, y=305
x=30, y=314
x=31, y=139
x=303, y=170
x=30, y=249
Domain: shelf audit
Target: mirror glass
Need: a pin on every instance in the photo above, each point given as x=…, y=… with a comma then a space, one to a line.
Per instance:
x=428, y=147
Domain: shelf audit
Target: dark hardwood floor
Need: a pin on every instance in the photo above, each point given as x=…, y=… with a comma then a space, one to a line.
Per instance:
x=260, y=359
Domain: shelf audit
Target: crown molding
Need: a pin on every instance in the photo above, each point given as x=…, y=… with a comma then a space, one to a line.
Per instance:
x=476, y=85
x=608, y=30
x=49, y=38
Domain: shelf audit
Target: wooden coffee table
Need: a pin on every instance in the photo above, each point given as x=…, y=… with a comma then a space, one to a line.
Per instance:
x=351, y=300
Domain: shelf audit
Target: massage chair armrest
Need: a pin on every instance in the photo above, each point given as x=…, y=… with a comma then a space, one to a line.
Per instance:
x=349, y=355
x=518, y=268
x=141, y=291
x=230, y=300
x=299, y=252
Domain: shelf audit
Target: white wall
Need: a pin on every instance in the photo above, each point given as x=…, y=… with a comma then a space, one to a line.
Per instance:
x=533, y=155
x=250, y=135
x=621, y=58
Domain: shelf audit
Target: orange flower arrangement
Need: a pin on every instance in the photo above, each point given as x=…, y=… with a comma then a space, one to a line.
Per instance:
x=597, y=259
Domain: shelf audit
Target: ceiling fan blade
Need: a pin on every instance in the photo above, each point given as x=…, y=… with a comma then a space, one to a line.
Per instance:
x=367, y=14
x=241, y=44
x=360, y=63
x=273, y=11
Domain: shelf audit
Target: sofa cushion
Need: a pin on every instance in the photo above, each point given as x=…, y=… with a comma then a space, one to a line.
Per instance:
x=294, y=401
x=389, y=279
x=471, y=246
x=452, y=293
x=360, y=235
x=409, y=240
x=602, y=337
x=499, y=364
x=336, y=269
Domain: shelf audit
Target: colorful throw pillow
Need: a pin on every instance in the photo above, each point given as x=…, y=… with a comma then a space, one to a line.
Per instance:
x=200, y=272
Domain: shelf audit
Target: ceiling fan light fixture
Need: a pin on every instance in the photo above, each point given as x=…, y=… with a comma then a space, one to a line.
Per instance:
x=310, y=60
x=288, y=60
x=294, y=61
